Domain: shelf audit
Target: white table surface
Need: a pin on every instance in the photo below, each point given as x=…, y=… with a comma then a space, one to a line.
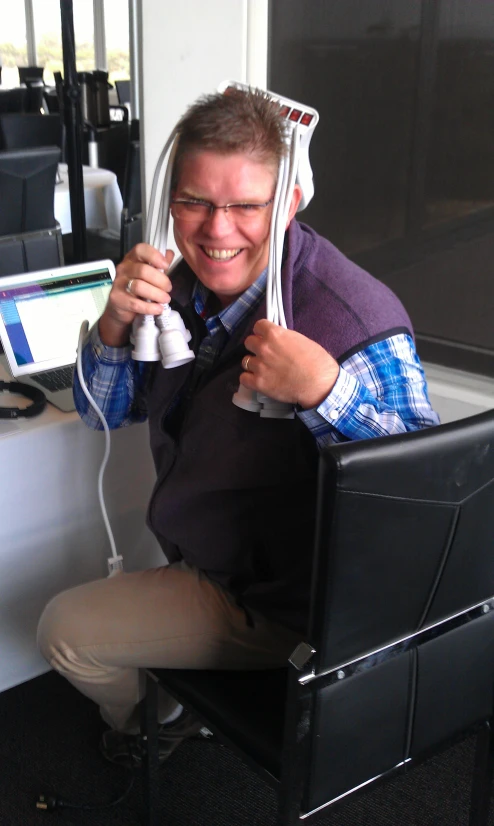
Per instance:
x=52, y=534
x=102, y=200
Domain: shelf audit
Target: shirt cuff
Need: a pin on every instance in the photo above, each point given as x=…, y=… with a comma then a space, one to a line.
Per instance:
x=335, y=411
x=342, y=400
x=103, y=352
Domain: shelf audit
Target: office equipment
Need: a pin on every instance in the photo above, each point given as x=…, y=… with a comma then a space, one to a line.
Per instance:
x=40, y=318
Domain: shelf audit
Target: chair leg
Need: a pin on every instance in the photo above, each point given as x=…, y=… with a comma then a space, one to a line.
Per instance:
x=149, y=730
x=482, y=777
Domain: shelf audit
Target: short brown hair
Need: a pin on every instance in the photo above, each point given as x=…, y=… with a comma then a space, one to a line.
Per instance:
x=238, y=121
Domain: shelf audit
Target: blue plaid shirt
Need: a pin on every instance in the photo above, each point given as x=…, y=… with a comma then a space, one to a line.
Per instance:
x=380, y=390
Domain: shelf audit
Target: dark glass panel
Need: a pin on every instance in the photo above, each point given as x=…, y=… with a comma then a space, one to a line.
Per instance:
x=460, y=167
x=354, y=61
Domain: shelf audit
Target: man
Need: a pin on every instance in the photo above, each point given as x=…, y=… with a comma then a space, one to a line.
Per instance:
x=233, y=505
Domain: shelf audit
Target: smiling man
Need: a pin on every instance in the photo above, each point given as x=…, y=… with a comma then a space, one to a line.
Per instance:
x=233, y=505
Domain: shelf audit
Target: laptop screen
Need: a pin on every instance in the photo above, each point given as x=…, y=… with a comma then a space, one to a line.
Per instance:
x=41, y=313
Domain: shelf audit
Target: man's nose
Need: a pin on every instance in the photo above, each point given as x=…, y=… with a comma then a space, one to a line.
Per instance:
x=219, y=222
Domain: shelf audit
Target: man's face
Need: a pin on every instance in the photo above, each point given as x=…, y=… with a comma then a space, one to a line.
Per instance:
x=244, y=247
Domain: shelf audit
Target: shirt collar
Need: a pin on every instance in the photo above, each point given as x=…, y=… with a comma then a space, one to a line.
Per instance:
x=233, y=315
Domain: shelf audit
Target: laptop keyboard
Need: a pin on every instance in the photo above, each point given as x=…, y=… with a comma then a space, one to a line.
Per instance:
x=53, y=380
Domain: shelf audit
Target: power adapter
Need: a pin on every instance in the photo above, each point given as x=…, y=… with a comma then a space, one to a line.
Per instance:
x=49, y=802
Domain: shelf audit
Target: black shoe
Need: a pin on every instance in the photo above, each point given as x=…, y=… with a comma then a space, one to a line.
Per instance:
x=129, y=749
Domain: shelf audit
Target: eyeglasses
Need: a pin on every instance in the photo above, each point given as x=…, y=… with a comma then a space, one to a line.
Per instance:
x=196, y=210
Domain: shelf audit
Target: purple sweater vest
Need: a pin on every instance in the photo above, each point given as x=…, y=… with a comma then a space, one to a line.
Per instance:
x=235, y=494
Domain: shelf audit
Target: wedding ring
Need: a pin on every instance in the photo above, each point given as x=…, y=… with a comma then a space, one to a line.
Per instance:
x=128, y=288
x=246, y=363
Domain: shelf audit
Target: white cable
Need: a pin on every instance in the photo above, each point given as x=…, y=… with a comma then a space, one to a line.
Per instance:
x=115, y=562
x=271, y=309
x=151, y=223
x=161, y=241
x=280, y=222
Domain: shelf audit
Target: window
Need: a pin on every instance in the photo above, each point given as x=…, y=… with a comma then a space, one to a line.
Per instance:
x=117, y=40
x=356, y=63
x=13, y=47
x=461, y=148
x=48, y=28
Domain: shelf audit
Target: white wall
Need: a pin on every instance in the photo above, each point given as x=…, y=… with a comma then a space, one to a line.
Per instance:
x=187, y=48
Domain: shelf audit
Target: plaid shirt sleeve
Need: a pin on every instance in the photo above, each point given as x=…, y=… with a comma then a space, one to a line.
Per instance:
x=380, y=390
x=114, y=380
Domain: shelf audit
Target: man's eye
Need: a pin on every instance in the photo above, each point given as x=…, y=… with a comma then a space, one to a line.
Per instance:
x=196, y=205
x=245, y=209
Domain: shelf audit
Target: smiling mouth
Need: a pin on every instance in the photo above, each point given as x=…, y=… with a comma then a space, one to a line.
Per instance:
x=220, y=255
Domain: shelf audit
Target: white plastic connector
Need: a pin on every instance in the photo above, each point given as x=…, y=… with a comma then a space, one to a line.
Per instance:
x=145, y=336
x=115, y=565
x=246, y=399
x=272, y=409
x=173, y=339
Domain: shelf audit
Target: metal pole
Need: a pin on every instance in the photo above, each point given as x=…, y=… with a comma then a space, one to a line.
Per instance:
x=99, y=35
x=134, y=58
x=72, y=117
x=30, y=34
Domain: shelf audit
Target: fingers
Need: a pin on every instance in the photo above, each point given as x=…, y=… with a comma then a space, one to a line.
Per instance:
x=144, y=268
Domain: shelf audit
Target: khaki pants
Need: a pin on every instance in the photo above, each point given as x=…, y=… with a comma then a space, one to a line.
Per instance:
x=100, y=634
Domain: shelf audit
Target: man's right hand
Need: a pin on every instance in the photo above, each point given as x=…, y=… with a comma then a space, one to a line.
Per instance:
x=144, y=269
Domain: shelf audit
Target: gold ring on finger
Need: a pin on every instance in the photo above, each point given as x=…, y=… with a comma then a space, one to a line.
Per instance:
x=128, y=288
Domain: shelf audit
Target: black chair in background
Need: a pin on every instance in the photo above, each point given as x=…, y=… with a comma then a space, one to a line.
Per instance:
x=131, y=225
x=101, y=246
x=30, y=236
x=27, y=73
x=23, y=130
x=123, y=90
x=398, y=660
x=21, y=99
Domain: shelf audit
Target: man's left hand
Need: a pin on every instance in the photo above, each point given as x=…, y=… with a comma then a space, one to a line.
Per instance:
x=287, y=366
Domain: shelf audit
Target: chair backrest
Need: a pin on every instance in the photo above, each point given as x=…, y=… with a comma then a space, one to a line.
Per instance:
x=123, y=90
x=27, y=185
x=23, y=130
x=14, y=100
x=30, y=73
x=402, y=616
x=31, y=251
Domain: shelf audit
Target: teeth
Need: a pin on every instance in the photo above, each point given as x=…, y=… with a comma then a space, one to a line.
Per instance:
x=221, y=254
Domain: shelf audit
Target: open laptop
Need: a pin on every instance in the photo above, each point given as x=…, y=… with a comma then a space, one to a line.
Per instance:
x=40, y=319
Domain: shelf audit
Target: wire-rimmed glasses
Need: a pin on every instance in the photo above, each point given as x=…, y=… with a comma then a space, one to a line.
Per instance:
x=193, y=209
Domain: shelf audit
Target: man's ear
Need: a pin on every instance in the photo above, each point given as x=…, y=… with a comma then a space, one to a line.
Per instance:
x=296, y=198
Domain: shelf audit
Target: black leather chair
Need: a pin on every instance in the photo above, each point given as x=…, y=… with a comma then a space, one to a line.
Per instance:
x=131, y=223
x=123, y=90
x=27, y=73
x=23, y=130
x=14, y=100
x=30, y=236
x=398, y=659
x=30, y=251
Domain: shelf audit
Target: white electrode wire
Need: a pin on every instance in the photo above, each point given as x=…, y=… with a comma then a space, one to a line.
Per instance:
x=163, y=221
x=151, y=223
x=271, y=309
x=282, y=218
x=280, y=236
x=275, y=277
x=82, y=333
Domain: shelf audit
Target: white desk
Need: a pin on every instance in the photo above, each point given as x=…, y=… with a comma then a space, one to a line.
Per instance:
x=51, y=532
x=102, y=199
